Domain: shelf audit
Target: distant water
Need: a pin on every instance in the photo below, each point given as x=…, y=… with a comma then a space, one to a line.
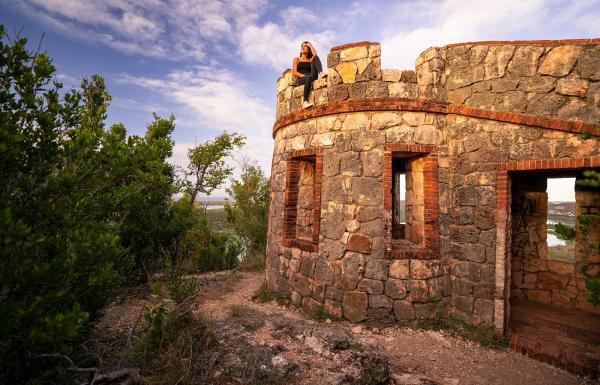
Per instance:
x=215, y=207
x=552, y=239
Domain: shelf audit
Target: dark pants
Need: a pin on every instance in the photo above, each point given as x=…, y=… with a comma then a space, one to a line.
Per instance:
x=307, y=80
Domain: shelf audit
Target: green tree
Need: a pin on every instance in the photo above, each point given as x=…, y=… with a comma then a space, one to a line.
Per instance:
x=248, y=215
x=73, y=198
x=209, y=171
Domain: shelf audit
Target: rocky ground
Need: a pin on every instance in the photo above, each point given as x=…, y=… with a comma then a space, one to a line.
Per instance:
x=267, y=343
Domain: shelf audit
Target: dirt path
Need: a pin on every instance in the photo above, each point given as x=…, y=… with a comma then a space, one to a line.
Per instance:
x=411, y=353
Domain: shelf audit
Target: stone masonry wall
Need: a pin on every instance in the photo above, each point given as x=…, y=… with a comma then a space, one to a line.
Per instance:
x=351, y=274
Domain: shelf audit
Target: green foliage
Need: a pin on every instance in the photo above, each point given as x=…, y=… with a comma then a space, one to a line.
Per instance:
x=263, y=294
x=209, y=171
x=206, y=250
x=593, y=286
x=180, y=288
x=248, y=215
x=207, y=164
x=564, y=232
x=81, y=207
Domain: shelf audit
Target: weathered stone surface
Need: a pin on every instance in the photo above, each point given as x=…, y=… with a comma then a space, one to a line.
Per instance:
x=353, y=264
x=333, y=59
x=334, y=293
x=338, y=92
x=403, y=310
x=525, y=61
x=496, y=61
x=402, y=90
x=347, y=72
x=400, y=269
x=377, y=269
x=359, y=243
x=560, y=60
x=574, y=87
x=355, y=305
x=588, y=63
x=395, y=288
x=354, y=53
x=391, y=75
x=560, y=267
x=483, y=309
x=348, y=282
x=371, y=286
x=300, y=284
x=421, y=269
x=545, y=105
x=380, y=301
x=464, y=304
x=372, y=163
x=418, y=291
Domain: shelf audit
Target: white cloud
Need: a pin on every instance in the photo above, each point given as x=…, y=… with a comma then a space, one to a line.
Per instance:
x=206, y=101
x=275, y=45
x=213, y=97
x=411, y=28
x=174, y=29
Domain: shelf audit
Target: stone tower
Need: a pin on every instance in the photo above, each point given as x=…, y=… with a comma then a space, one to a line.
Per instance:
x=393, y=196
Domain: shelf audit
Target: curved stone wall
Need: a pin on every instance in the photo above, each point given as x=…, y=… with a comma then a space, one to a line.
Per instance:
x=344, y=148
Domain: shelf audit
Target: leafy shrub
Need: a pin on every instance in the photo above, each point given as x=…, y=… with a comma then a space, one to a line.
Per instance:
x=180, y=288
x=81, y=208
x=564, y=232
x=248, y=214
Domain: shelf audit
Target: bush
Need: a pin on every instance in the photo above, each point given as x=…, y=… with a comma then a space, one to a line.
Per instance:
x=564, y=232
x=249, y=213
x=81, y=208
x=205, y=250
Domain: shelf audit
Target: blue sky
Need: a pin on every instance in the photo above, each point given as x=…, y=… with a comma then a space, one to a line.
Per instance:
x=214, y=64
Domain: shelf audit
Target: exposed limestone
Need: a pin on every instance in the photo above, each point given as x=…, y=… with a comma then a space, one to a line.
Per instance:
x=560, y=60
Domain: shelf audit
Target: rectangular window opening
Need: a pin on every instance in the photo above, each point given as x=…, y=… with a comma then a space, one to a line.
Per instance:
x=407, y=199
x=561, y=219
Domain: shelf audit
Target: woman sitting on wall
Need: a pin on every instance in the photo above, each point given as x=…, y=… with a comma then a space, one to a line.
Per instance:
x=307, y=68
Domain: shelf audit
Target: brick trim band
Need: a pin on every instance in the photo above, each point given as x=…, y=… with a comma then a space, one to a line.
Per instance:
x=351, y=45
x=429, y=105
x=526, y=42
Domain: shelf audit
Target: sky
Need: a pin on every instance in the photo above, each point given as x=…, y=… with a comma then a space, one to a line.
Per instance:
x=214, y=64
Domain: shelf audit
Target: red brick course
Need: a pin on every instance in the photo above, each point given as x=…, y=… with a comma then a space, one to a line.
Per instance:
x=291, y=199
x=527, y=42
x=434, y=106
x=351, y=45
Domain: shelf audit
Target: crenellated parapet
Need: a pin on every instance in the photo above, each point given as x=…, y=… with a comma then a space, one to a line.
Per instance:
x=538, y=79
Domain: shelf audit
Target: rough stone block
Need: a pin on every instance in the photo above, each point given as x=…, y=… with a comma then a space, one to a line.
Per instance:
x=380, y=301
x=400, y=269
x=395, y=288
x=560, y=60
x=483, y=309
x=359, y=243
x=573, y=87
x=355, y=305
x=377, y=269
x=403, y=310
x=371, y=286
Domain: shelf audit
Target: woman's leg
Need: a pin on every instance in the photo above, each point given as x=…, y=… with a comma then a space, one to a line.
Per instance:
x=309, y=79
x=316, y=67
